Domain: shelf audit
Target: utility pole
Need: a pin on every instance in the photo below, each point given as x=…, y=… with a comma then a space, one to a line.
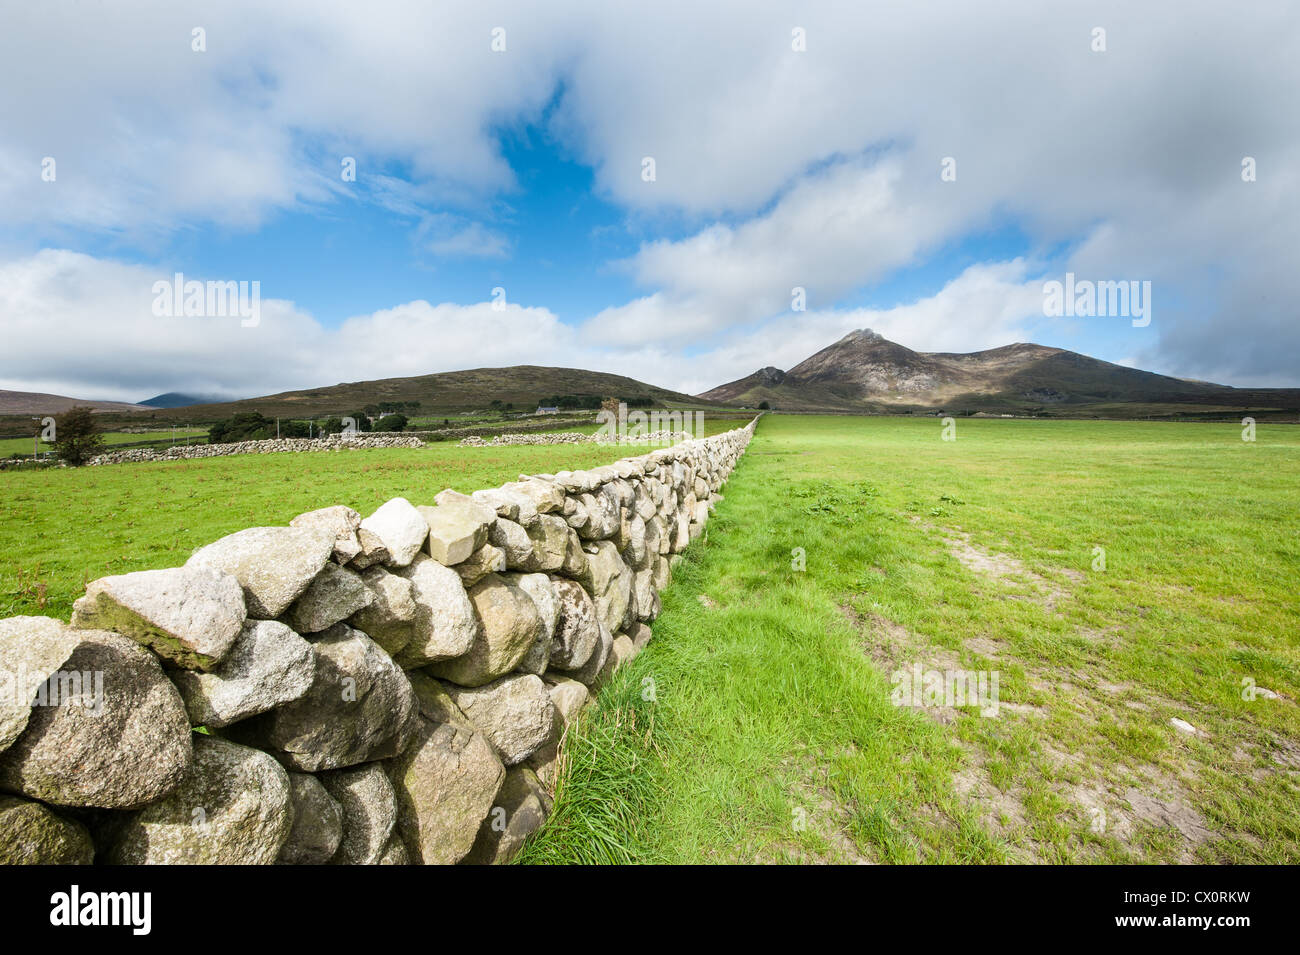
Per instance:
x=36, y=440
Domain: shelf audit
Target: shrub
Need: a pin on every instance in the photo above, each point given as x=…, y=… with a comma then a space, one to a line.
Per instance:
x=76, y=437
x=247, y=426
x=391, y=422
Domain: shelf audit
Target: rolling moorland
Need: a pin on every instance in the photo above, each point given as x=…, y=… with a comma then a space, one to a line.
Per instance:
x=454, y=392
x=862, y=373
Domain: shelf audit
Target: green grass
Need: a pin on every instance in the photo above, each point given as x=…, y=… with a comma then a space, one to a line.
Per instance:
x=61, y=528
x=772, y=736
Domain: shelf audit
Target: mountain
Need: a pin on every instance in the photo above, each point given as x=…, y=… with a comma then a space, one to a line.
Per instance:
x=524, y=386
x=174, y=399
x=36, y=403
x=866, y=372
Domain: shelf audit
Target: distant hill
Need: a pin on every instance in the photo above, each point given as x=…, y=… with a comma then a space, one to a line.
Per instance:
x=174, y=399
x=865, y=372
x=36, y=403
x=524, y=386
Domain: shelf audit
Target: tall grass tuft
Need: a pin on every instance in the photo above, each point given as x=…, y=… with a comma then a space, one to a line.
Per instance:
x=606, y=783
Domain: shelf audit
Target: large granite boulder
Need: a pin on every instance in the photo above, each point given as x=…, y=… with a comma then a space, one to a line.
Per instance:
x=274, y=565
x=546, y=497
x=445, y=783
x=590, y=672
x=369, y=812
x=515, y=713
x=108, y=730
x=509, y=627
x=317, y=826
x=400, y=528
x=31, y=834
x=360, y=708
x=395, y=853
x=610, y=582
x=457, y=528
x=542, y=593
x=269, y=666
x=488, y=559
x=331, y=598
x=514, y=543
x=567, y=695
x=549, y=538
x=575, y=558
x=577, y=627
x=635, y=552
x=188, y=615
x=445, y=625
x=602, y=514
x=233, y=808
x=31, y=650
x=373, y=550
x=340, y=521
x=389, y=618
x=520, y=809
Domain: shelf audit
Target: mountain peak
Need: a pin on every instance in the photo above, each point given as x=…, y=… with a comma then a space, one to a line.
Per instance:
x=861, y=335
x=866, y=371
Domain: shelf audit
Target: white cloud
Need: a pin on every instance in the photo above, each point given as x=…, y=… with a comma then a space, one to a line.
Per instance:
x=85, y=327
x=454, y=238
x=817, y=169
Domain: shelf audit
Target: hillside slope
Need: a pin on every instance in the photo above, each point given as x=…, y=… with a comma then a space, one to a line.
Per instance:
x=866, y=372
x=524, y=386
x=38, y=403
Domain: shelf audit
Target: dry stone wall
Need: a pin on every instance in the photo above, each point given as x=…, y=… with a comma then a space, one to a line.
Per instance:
x=186, y=452
x=382, y=690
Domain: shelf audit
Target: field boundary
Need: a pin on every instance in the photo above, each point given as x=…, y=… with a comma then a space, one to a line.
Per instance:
x=393, y=689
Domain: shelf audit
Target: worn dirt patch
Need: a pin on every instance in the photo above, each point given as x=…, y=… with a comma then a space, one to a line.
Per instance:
x=816, y=809
x=1006, y=570
x=1001, y=811
x=1170, y=811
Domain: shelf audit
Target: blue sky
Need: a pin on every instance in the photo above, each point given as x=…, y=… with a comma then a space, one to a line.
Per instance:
x=522, y=168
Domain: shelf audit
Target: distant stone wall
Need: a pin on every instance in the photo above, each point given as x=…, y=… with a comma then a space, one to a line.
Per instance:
x=577, y=437
x=518, y=425
x=386, y=690
x=334, y=442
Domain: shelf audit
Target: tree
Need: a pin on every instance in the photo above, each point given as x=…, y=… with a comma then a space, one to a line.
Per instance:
x=391, y=422
x=246, y=426
x=610, y=405
x=765, y=406
x=76, y=438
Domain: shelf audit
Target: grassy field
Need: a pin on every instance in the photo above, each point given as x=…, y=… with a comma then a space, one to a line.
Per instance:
x=62, y=528
x=1113, y=576
x=112, y=440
